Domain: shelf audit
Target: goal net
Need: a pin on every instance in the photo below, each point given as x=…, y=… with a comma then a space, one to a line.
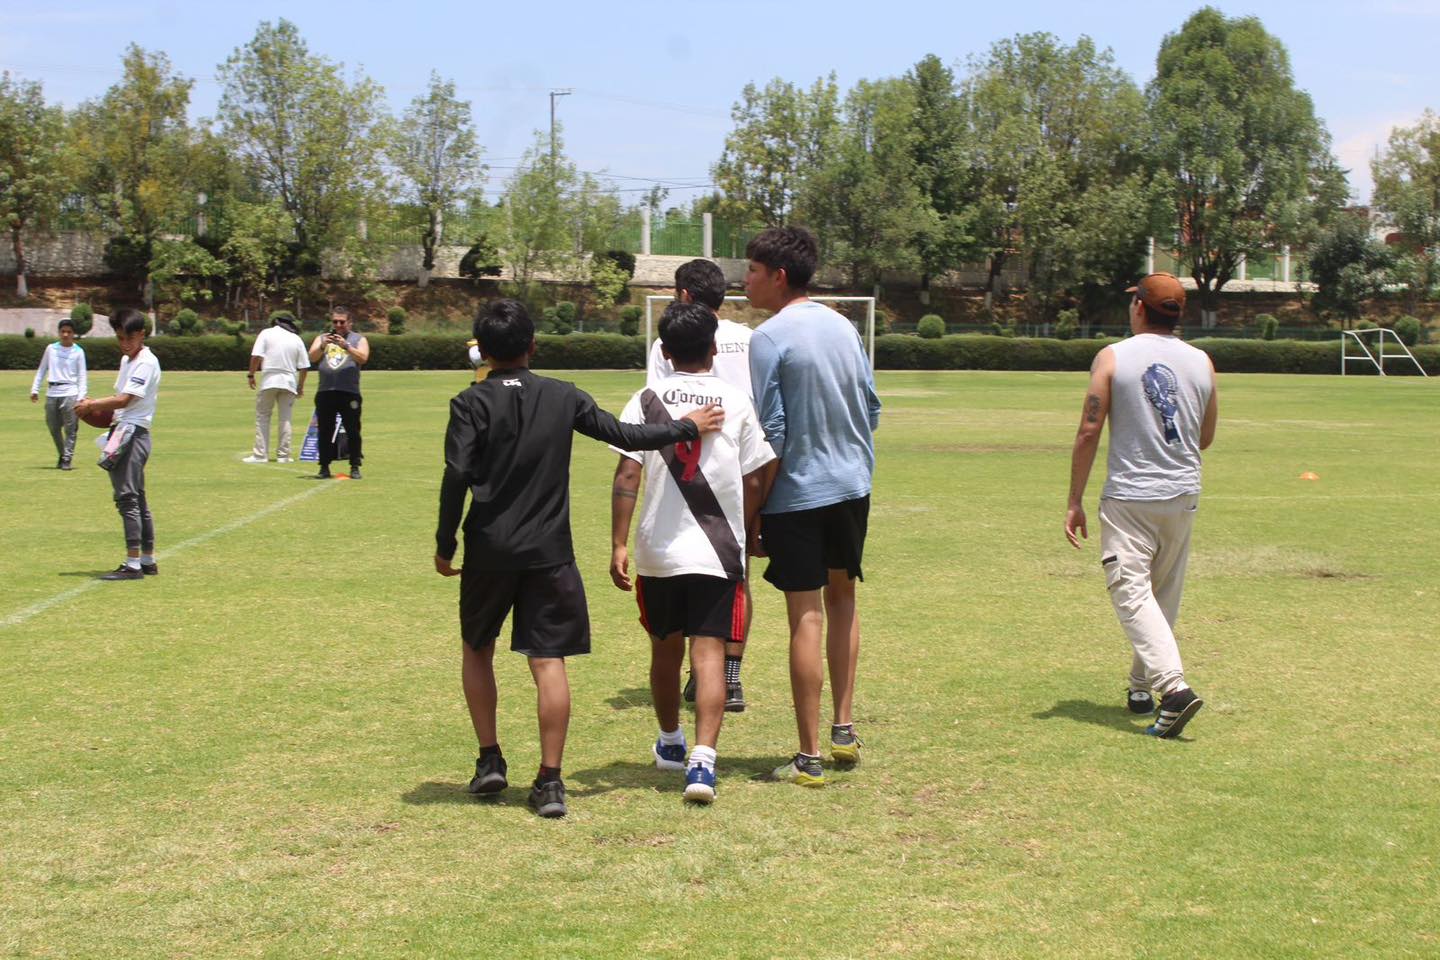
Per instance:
x=860, y=311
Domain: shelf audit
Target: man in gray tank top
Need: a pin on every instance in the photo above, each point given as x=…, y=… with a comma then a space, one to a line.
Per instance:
x=339, y=355
x=1159, y=394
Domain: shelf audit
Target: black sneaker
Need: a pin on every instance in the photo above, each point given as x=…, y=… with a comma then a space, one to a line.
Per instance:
x=1140, y=701
x=149, y=569
x=1176, y=709
x=734, y=698
x=324, y=474
x=355, y=474
x=489, y=775
x=548, y=799
x=60, y=464
x=123, y=572
x=689, y=692
x=65, y=465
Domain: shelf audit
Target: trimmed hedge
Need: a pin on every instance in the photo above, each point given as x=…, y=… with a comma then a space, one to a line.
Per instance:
x=609, y=351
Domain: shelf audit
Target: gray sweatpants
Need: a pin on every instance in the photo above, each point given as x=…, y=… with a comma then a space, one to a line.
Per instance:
x=60, y=418
x=1144, y=547
x=128, y=480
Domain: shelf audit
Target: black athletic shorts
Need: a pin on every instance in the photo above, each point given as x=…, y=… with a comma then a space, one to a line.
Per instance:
x=692, y=604
x=806, y=544
x=551, y=619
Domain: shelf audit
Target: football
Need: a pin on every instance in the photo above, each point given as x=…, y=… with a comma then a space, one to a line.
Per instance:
x=97, y=418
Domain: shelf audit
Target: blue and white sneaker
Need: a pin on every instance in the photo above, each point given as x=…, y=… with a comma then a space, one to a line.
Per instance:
x=699, y=784
x=669, y=757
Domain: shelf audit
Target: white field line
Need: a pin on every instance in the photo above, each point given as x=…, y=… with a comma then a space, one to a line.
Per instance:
x=19, y=617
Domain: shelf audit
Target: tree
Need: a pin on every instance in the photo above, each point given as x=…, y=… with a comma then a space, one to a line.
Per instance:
x=1349, y=266
x=308, y=137
x=1247, y=164
x=32, y=175
x=779, y=136
x=438, y=160
x=1407, y=192
x=1059, y=179
x=136, y=147
x=942, y=149
x=863, y=199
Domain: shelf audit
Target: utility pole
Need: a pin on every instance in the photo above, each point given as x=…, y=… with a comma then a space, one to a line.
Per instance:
x=565, y=92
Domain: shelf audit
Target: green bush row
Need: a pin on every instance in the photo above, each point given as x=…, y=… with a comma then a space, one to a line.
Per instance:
x=609, y=351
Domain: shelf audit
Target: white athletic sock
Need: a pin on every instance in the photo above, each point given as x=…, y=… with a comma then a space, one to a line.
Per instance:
x=133, y=563
x=147, y=559
x=705, y=756
x=674, y=738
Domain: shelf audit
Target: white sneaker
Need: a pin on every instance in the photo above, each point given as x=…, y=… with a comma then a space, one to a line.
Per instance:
x=252, y=459
x=284, y=459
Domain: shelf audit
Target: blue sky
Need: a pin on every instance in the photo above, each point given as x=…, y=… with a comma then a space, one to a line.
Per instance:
x=654, y=81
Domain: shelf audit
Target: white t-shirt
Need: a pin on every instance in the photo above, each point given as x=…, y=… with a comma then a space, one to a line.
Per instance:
x=692, y=519
x=732, y=357
x=283, y=355
x=141, y=379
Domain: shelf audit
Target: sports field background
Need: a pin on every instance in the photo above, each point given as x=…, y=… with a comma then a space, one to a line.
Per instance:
x=263, y=752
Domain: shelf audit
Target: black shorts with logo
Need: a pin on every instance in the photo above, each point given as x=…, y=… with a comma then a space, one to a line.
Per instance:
x=692, y=604
x=804, y=546
x=551, y=618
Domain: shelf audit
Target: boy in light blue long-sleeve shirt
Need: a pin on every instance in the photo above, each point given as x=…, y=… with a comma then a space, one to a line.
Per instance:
x=64, y=378
x=815, y=395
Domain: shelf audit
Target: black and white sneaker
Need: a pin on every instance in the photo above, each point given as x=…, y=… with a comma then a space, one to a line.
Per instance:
x=1176, y=709
x=123, y=572
x=489, y=775
x=1140, y=701
x=734, y=698
x=548, y=799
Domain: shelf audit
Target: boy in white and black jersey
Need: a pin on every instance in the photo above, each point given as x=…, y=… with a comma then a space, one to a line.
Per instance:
x=700, y=497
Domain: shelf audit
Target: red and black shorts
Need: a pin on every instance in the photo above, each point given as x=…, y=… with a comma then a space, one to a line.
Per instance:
x=551, y=618
x=805, y=545
x=692, y=604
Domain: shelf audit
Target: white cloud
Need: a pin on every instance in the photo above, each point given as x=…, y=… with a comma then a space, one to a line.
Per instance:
x=1356, y=143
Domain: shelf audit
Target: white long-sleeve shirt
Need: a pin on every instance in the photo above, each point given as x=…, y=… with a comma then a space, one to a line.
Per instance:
x=63, y=368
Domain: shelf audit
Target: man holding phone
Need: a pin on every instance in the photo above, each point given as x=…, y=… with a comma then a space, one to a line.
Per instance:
x=344, y=352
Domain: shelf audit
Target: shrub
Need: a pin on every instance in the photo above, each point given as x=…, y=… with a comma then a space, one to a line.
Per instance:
x=630, y=320
x=1067, y=324
x=931, y=326
x=186, y=323
x=1267, y=325
x=623, y=259
x=29, y=333
x=83, y=316
x=1408, y=329
x=482, y=260
x=1365, y=325
x=395, y=320
x=566, y=312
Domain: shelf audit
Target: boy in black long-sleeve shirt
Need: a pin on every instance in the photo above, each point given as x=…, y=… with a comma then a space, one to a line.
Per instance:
x=508, y=444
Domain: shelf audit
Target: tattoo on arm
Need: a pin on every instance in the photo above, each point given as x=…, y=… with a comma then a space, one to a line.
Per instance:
x=1092, y=409
x=622, y=492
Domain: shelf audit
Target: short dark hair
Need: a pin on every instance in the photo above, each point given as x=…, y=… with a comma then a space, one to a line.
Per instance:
x=65, y=322
x=341, y=309
x=503, y=329
x=705, y=281
x=1156, y=318
x=687, y=331
x=128, y=320
x=792, y=249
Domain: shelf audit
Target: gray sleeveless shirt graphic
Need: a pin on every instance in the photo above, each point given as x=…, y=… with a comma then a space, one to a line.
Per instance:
x=1157, y=402
x=338, y=370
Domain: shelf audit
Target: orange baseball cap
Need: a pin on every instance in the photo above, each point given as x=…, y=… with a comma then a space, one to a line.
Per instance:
x=1162, y=293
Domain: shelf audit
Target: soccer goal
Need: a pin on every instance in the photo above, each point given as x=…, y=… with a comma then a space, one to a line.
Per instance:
x=867, y=334
x=1377, y=358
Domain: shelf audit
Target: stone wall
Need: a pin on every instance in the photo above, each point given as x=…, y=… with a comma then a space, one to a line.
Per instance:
x=68, y=253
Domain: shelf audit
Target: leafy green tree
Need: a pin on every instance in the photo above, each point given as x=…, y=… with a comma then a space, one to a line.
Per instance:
x=1247, y=164
x=779, y=134
x=139, y=160
x=1349, y=266
x=1407, y=192
x=1061, y=184
x=307, y=136
x=862, y=199
x=33, y=178
x=438, y=159
x=259, y=239
x=942, y=149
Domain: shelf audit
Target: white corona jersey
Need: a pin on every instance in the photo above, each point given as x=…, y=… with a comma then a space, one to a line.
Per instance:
x=692, y=519
x=732, y=358
x=140, y=378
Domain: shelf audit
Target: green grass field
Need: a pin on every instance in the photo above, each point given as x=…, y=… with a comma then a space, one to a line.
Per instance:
x=263, y=751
